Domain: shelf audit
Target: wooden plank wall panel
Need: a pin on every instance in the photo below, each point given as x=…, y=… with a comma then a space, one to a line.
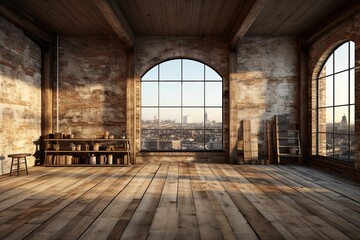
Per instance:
x=179, y=201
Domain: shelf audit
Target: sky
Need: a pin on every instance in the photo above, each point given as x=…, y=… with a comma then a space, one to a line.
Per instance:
x=162, y=86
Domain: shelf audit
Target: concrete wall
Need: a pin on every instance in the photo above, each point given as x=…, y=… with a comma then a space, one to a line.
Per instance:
x=20, y=94
x=317, y=55
x=265, y=81
x=92, y=86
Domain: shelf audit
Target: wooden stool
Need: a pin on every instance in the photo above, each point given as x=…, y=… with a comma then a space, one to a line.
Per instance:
x=18, y=157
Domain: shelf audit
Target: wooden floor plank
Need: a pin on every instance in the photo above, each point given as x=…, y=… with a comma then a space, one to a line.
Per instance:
x=188, y=227
x=179, y=201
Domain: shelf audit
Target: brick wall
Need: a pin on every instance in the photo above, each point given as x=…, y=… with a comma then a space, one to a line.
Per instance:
x=20, y=94
x=318, y=53
x=266, y=81
x=92, y=86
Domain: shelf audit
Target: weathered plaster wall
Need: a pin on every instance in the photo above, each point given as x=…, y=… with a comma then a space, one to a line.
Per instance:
x=265, y=82
x=92, y=86
x=317, y=55
x=20, y=94
x=214, y=52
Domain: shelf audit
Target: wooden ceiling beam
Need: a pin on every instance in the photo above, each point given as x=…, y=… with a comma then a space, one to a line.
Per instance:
x=247, y=17
x=331, y=21
x=115, y=16
x=32, y=28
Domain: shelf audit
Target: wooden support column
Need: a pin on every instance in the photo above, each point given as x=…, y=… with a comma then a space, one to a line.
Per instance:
x=46, y=97
x=303, y=100
x=233, y=121
x=131, y=104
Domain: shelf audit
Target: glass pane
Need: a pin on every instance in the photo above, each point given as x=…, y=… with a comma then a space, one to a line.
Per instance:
x=170, y=94
x=193, y=140
x=342, y=88
x=193, y=118
x=352, y=54
x=169, y=140
x=149, y=94
x=341, y=119
x=352, y=86
x=352, y=148
x=352, y=119
x=342, y=58
x=213, y=118
x=210, y=74
x=342, y=147
x=329, y=65
x=213, y=139
x=213, y=94
x=170, y=70
x=193, y=94
x=170, y=118
x=325, y=119
x=149, y=139
x=149, y=116
x=193, y=70
x=152, y=74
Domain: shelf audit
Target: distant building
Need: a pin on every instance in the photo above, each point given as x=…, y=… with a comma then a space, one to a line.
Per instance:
x=187, y=119
x=343, y=124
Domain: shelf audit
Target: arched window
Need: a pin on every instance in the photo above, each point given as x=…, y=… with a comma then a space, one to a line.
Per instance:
x=181, y=107
x=334, y=111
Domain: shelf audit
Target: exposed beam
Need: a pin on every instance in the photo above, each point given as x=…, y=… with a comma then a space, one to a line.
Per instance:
x=115, y=16
x=247, y=17
x=332, y=20
x=35, y=30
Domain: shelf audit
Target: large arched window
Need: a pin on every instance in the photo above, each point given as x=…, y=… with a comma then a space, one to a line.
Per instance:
x=181, y=107
x=334, y=111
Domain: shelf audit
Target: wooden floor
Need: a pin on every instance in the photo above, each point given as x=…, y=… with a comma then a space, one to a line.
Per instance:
x=179, y=201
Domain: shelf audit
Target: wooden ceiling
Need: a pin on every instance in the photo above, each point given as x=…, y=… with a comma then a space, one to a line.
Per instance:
x=130, y=18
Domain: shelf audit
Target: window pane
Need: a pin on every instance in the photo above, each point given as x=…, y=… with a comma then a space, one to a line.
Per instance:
x=213, y=94
x=210, y=74
x=193, y=118
x=342, y=58
x=352, y=86
x=149, y=139
x=341, y=119
x=342, y=147
x=193, y=70
x=342, y=88
x=352, y=54
x=213, y=139
x=152, y=74
x=149, y=94
x=193, y=140
x=170, y=70
x=169, y=140
x=193, y=94
x=352, y=119
x=325, y=119
x=213, y=118
x=170, y=94
x=170, y=118
x=329, y=66
x=149, y=116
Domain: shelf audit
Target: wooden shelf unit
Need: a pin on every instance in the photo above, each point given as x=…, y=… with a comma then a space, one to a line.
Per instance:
x=287, y=140
x=120, y=149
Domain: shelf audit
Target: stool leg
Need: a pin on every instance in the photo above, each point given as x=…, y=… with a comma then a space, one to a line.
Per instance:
x=26, y=166
x=11, y=167
x=18, y=170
